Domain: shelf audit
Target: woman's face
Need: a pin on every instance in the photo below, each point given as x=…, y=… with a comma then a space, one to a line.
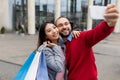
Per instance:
x=51, y=32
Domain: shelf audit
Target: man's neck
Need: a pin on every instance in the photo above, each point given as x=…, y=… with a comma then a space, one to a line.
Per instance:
x=64, y=39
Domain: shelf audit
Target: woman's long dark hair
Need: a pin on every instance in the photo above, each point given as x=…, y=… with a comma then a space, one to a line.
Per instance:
x=42, y=35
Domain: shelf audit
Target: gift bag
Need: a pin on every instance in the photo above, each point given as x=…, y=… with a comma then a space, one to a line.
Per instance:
x=33, y=67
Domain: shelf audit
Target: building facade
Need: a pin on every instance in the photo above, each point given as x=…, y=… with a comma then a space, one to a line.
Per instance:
x=32, y=13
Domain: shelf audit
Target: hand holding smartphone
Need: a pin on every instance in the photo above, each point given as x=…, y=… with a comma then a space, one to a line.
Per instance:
x=97, y=12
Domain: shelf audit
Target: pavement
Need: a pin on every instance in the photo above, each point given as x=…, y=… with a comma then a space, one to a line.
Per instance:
x=16, y=48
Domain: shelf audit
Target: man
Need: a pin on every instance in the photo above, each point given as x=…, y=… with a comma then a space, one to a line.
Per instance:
x=79, y=54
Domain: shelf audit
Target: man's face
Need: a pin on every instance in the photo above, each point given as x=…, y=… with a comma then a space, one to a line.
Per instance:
x=63, y=26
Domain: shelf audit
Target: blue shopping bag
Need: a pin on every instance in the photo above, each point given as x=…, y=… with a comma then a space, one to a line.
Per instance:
x=25, y=67
x=42, y=73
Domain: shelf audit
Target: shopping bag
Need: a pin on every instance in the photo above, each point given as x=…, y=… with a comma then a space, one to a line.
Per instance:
x=24, y=68
x=32, y=68
x=42, y=73
x=32, y=72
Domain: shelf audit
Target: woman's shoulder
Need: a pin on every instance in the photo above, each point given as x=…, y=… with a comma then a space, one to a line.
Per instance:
x=48, y=49
x=52, y=48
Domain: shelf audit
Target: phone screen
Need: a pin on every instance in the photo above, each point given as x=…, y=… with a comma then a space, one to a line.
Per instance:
x=97, y=12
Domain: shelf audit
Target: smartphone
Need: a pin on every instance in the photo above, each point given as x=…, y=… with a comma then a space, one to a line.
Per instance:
x=97, y=12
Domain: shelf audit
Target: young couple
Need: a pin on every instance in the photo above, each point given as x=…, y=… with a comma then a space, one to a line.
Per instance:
x=78, y=57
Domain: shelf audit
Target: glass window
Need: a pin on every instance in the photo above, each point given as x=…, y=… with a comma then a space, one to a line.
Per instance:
x=20, y=13
x=46, y=10
x=76, y=11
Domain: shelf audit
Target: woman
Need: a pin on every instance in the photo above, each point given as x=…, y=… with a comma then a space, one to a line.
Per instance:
x=55, y=59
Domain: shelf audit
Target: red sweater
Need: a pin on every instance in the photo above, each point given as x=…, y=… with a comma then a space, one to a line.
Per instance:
x=79, y=54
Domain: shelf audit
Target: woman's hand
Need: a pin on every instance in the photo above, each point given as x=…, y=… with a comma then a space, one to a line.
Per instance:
x=75, y=34
x=49, y=44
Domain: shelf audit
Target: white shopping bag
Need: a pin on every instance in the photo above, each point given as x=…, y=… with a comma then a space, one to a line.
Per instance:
x=32, y=72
